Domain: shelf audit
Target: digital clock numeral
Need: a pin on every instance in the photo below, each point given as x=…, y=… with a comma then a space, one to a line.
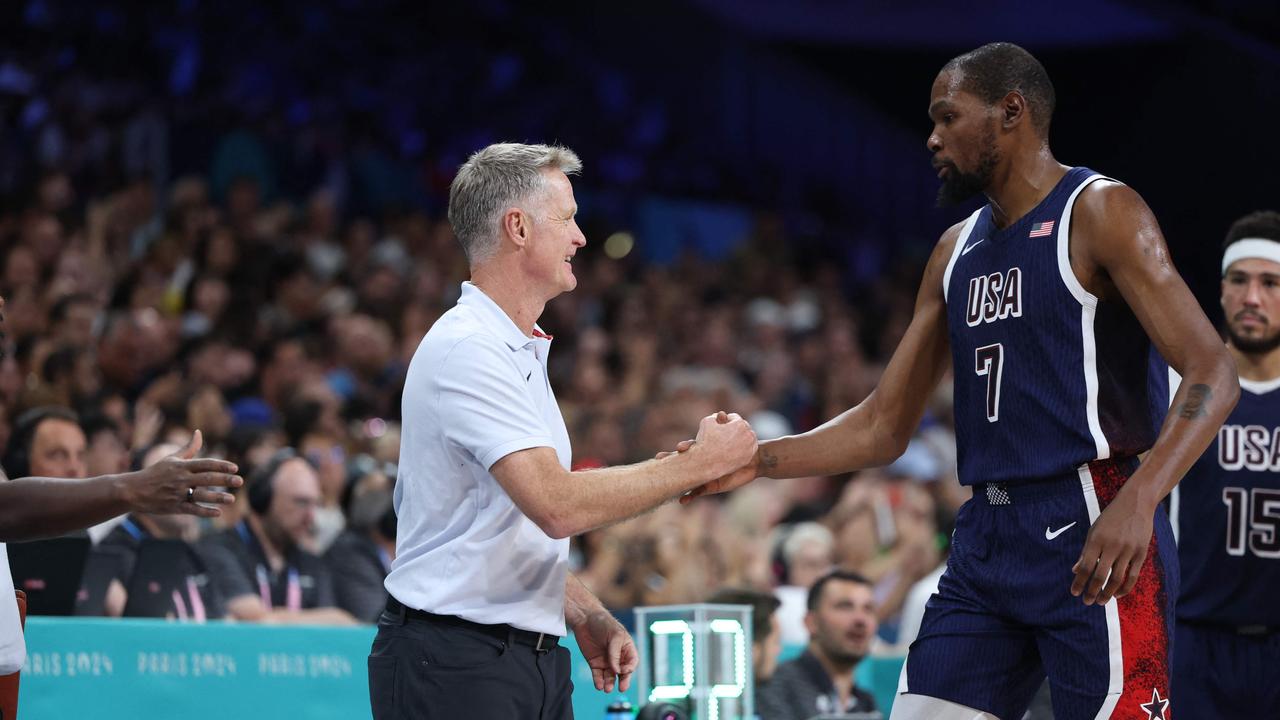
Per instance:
x=662, y=631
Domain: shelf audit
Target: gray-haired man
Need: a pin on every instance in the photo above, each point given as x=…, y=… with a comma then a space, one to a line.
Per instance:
x=480, y=588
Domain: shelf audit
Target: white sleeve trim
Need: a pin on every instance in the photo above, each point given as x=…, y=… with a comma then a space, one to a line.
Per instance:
x=965, y=232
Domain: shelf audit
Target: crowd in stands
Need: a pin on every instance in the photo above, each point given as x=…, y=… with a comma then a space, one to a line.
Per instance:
x=185, y=259
x=282, y=327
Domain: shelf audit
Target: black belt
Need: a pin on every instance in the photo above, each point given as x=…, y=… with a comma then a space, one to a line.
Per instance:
x=540, y=642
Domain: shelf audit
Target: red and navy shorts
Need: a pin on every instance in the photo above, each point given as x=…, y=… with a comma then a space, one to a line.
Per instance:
x=1004, y=618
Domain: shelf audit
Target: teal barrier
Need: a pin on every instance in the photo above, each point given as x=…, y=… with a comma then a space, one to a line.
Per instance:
x=131, y=669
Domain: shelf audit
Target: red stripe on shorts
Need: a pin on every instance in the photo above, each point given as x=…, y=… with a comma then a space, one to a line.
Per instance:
x=1144, y=633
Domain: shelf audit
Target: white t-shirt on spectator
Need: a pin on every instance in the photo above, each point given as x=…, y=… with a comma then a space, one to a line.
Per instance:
x=914, y=605
x=476, y=391
x=794, y=606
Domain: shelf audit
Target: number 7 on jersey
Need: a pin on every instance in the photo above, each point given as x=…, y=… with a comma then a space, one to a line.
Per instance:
x=989, y=361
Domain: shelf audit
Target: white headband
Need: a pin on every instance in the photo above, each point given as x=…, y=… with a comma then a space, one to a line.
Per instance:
x=1260, y=248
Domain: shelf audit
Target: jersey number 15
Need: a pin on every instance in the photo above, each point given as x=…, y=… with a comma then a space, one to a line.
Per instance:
x=1253, y=518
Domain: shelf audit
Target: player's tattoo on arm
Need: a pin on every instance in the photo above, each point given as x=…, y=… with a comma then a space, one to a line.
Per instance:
x=1162, y=257
x=1193, y=406
x=768, y=460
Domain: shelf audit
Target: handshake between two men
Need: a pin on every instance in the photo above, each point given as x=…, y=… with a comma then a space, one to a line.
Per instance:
x=731, y=437
x=565, y=503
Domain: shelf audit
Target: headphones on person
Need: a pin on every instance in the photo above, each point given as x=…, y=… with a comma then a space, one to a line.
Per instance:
x=17, y=458
x=261, y=485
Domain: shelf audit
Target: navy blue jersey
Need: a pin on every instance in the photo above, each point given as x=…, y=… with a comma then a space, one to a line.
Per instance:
x=1047, y=376
x=1227, y=512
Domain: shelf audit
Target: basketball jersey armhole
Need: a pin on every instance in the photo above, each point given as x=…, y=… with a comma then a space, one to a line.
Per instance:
x=961, y=240
x=1088, y=310
x=1077, y=289
x=1175, y=496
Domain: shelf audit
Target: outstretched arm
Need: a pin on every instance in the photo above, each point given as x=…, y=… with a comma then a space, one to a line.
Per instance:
x=1118, y=250
x=877, y=430
x=32, y=508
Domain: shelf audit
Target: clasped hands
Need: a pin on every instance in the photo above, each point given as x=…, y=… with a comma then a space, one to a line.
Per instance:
x=730, y=449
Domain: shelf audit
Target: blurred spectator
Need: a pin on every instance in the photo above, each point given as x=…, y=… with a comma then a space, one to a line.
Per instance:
x=71, y=320
x=285, y=365
x=46, y=442
x=805, y=552
x=125, y=538
x=105, y=454
x=842, y=625
x=361, y=556
x=311, y=425
x=914, y=552
x=766, y=636
x=69, y=376
x=264, y=566
x=913, y=608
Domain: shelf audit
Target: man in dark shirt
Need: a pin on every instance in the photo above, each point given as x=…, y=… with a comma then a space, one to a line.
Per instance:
x=125, y=539
x=362, y=554
x=842, y=623
x=262, y=565
x=136, y=527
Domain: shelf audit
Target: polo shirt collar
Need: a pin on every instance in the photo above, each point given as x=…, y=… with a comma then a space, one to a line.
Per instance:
x=496, y=319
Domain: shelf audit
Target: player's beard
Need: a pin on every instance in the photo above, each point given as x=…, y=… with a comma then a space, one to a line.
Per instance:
x=960, y=186
x=1253, y=346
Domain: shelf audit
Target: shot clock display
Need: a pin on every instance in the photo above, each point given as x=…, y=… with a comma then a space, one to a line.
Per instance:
x=698, y=656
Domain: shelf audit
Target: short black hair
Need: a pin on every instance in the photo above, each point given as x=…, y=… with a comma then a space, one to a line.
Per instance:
x=17, y=458
x=1263, y=224
x=59, y=364
x=301, y=418
x=96, y=422
x=62, y=307
x=763, y=604
x=996, y=69
x=815, y=592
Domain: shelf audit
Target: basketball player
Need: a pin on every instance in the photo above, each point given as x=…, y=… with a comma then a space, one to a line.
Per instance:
x=1226, y=660
x=1046, y=301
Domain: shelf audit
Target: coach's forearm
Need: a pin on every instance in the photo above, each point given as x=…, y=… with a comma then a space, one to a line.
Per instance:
x=579, y=602
x=595, y=498
x=1205, y=398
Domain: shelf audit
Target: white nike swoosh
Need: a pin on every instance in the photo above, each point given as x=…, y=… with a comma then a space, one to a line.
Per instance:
x=966, y=250
x=1049, y=535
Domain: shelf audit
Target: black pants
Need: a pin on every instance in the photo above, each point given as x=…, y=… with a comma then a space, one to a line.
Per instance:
x=424, y=670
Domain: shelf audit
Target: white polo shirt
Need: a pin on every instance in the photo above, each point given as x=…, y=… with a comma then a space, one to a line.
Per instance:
x=477, y=390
